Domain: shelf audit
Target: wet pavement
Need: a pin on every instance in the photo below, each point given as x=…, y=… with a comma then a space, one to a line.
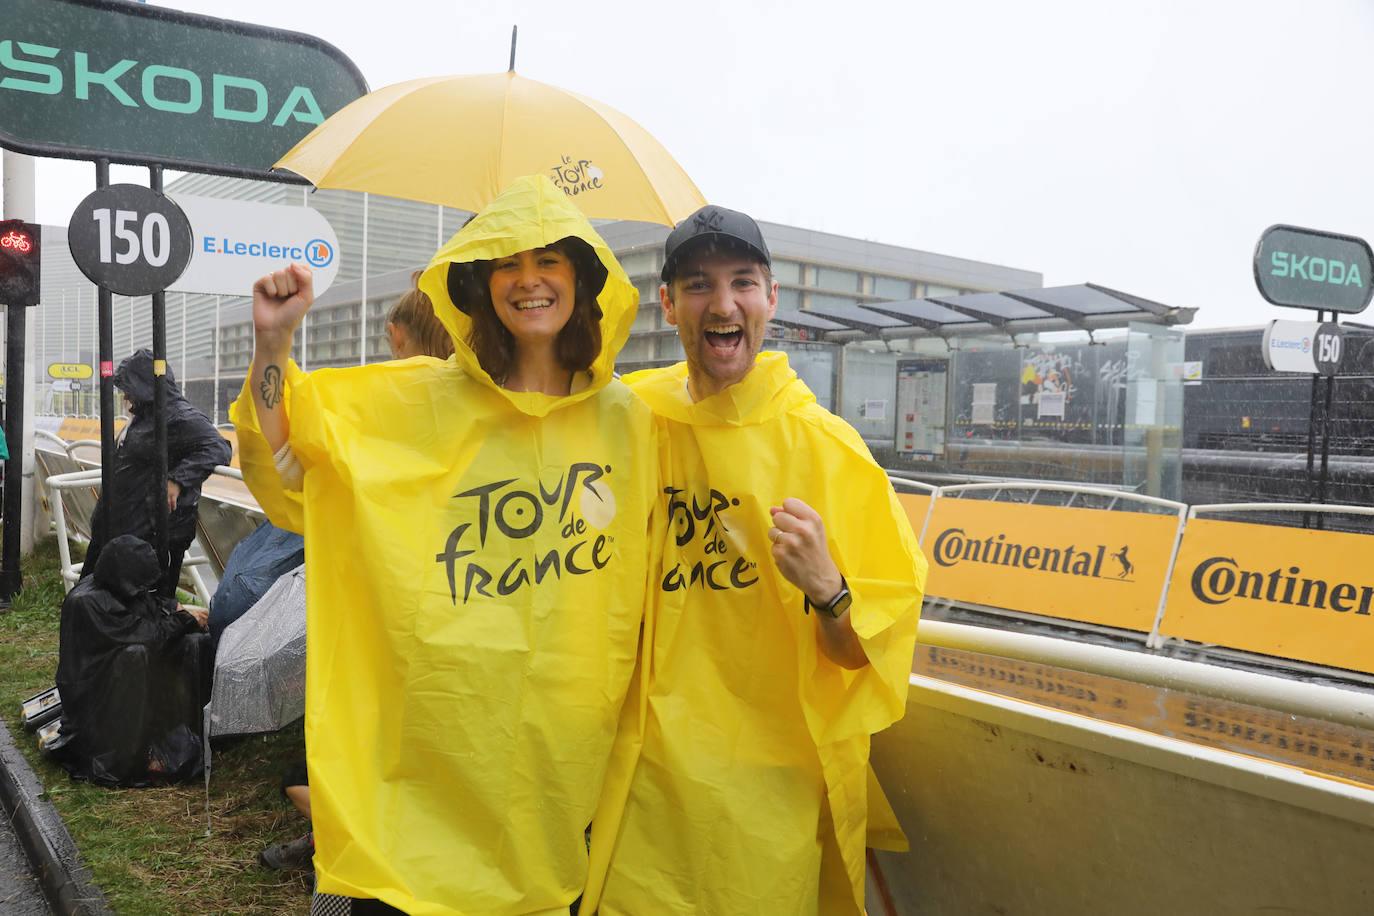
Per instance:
x=20, y=894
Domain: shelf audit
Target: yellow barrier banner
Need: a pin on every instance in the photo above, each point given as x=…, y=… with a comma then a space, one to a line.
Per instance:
x=75, y=428
x=1088, y=565
x=1314, y=745
x=1290, y=592
x=917, y=507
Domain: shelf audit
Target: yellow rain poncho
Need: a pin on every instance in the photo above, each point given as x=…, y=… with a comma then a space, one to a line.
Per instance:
x=477, y=563
x=740, y=781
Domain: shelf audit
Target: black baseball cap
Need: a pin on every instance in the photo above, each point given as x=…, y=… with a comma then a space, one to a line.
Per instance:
x=729, y=228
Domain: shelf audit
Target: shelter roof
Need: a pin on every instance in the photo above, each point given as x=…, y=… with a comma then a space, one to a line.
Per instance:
x=1084, y=306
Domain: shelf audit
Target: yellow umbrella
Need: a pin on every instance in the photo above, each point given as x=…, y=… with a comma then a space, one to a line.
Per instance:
x=459, y=140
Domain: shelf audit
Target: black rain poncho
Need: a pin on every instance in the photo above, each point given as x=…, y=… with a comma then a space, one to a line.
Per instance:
x=133, y=674
x=194, y=449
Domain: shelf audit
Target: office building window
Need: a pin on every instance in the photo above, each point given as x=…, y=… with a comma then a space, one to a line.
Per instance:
x=892, y=288
x=787, y=271
x=832, y=278
x=822, y=301
x=789, y=299
x=934, y=290
x=640, y=262
x=647, y=319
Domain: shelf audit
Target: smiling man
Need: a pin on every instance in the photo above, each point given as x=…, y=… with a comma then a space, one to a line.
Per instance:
x=784, y=624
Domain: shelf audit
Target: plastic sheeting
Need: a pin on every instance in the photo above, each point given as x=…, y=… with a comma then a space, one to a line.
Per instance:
x=259, y=683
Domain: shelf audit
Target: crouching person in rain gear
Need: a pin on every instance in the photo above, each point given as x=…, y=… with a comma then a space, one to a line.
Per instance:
x=134, y=674
x=786, y=613
x=194, y=449
x=479, y=555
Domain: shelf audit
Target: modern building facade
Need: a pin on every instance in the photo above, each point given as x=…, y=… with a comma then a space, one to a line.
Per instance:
x=383, y=241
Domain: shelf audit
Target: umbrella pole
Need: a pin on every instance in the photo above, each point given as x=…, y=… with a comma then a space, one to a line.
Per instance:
x=205, y=737
x=513, y=31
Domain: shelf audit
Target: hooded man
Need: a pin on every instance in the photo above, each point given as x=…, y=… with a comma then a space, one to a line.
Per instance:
x=133, y=672
x=479, y=558
x=194, y=449
x=786, y=614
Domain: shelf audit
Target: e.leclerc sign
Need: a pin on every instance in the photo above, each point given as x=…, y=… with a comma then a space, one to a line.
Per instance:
x=1312, y=269
x=88, y=79
x=235, y=242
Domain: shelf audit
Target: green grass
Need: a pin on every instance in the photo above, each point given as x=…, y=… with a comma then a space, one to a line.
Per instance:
x=147, y=848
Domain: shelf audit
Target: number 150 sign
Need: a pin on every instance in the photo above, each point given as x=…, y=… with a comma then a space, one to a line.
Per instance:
x=129, y=239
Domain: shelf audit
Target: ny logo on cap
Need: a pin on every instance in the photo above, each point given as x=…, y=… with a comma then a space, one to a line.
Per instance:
x=707, y=221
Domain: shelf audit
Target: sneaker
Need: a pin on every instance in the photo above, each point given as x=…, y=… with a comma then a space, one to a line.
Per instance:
x=293, y=855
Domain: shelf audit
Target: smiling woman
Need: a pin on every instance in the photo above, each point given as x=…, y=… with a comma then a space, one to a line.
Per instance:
x=468, y=666
x=536, y=323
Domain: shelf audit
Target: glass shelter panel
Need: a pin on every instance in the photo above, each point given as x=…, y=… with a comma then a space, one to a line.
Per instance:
x=1152, y=456
x=868, y=391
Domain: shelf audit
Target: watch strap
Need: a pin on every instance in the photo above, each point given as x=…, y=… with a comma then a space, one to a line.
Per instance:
x=835, y=606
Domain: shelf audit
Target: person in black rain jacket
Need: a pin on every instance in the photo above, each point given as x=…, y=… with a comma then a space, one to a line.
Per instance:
x=194, y=448
x=133, y=671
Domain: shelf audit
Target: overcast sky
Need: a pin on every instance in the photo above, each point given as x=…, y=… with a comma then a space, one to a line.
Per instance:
x=1143, y=146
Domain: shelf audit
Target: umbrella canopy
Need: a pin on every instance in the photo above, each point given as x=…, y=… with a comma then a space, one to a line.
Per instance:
x=459, y=140
x=260, y=664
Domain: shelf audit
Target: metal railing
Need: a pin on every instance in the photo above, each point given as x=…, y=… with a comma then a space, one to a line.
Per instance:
x=82, y=488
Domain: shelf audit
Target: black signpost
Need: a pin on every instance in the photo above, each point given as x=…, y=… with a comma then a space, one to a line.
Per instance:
x=21, y=264
x=134, y=241
x=1326, y=271
x=112, y=81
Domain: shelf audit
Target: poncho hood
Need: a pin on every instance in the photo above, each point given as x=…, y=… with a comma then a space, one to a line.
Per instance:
x=531, y=213
x=127, y=567
x=134, y=377
x=770, y=390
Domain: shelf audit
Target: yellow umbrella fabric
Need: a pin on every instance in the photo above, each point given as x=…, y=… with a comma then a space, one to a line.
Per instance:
x=459, y=140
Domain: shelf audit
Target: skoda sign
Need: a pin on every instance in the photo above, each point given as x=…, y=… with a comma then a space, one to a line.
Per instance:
x=146, y=85
x=1312, y=269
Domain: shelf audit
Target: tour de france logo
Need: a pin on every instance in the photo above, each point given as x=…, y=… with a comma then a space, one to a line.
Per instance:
x=954, y=546
x=577, y=176
x=704, y=543
x=578, y=507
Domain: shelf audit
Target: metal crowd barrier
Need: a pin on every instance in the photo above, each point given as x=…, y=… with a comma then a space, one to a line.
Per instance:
x=1020, y=805
x=1013, y=806
x=1038, y=774
x=1140, y=579
x=72, y=488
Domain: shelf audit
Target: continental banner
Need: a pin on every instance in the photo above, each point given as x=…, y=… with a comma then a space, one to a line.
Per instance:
x=917, y=507
x=1087, y=565
x=1290, y=592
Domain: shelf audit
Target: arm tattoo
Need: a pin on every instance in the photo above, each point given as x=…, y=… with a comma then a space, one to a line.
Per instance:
x=271, y=386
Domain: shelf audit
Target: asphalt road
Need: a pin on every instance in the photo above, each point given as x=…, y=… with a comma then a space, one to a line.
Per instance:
x=20, y=894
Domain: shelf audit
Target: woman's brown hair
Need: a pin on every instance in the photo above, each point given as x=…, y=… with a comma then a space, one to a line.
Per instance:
x=577, y=345
x=414, y=314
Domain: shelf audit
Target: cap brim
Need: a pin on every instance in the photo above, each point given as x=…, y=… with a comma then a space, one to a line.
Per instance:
x=690, y=246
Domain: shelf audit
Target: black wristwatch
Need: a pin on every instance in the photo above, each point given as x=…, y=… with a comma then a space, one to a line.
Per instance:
x=836, y=606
